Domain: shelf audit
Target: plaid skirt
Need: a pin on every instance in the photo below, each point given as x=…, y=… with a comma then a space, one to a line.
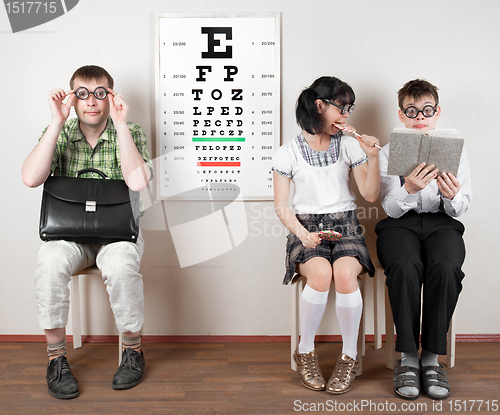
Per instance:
x=352, y=242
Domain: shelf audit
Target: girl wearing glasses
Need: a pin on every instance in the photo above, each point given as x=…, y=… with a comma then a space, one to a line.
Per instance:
x=319, y=162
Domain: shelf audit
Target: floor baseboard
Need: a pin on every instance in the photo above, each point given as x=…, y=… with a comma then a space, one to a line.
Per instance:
x=37, y=338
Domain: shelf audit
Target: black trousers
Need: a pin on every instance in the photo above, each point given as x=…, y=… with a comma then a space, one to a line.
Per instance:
x=422, y=250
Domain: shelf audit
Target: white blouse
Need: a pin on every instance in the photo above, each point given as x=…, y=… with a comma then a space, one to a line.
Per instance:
x=320, y=189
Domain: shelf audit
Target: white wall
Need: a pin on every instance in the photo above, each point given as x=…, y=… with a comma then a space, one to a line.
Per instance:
x=376, y=46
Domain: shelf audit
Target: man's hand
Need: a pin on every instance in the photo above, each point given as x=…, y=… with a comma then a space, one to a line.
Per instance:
x=448, y=185
x=118, y=108
x=60, y=110
x=420, y=178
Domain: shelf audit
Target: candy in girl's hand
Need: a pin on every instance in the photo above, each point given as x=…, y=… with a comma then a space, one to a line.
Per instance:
x=352, y=130
x=329, y=235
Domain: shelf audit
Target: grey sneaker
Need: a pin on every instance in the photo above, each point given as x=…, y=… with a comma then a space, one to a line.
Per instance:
x=60, y=380
x=129, y=374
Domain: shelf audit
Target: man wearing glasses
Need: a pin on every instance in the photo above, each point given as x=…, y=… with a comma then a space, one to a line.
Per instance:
x=101, y=138
x=421, y=248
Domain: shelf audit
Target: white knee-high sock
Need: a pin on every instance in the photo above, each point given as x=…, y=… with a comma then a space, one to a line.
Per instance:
x=349, y=308
x=312, y=308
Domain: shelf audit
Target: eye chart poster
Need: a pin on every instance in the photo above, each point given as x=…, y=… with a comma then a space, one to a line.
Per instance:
x=218, y=105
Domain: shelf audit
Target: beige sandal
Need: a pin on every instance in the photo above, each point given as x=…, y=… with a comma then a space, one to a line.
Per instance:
x=310, y=373
x=343, y=375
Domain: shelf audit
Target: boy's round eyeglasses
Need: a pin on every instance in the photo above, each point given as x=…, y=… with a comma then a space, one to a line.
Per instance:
x=348, y=108
x=412, y=112
x=99, y=93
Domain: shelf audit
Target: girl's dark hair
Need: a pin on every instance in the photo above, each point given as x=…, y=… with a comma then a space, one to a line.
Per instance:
x=326, y=87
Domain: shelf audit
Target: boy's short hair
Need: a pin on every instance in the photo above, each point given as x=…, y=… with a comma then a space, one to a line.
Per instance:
x=417, y=89
x=91, y=72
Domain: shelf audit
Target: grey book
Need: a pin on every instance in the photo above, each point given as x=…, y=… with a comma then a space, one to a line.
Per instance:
x=408, y=148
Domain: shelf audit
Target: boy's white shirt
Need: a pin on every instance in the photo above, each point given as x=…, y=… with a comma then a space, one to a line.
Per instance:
x=396, y=201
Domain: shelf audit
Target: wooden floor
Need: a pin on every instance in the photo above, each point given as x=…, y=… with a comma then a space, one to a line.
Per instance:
x=234, y=378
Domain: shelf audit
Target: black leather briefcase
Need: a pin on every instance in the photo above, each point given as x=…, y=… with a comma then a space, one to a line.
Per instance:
x=89, y=210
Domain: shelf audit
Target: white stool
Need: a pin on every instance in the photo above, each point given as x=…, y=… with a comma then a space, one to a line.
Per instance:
x=390, y=353
x=298, y=283
x=76, y=308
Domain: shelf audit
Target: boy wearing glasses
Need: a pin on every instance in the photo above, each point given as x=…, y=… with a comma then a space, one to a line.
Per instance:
x=419, y=245
x=101, y=138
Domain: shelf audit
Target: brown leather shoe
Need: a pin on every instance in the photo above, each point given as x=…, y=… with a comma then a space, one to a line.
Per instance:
x=310, y=373
x=343, y=375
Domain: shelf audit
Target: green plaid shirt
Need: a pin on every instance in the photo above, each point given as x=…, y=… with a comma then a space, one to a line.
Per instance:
x=73, y=153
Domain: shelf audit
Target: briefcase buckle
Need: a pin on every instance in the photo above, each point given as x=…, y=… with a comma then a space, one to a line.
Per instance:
x=90, y=206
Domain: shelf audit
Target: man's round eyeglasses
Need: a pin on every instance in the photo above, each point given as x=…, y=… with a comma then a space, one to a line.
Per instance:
x=348, y=108
x=412, y=111
x=99, y=93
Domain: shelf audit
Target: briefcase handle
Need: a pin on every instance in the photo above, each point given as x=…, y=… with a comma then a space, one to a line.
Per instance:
x=92, y=171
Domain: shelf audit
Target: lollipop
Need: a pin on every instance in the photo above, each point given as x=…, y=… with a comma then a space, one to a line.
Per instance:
x=329, y=235
x=348, y=129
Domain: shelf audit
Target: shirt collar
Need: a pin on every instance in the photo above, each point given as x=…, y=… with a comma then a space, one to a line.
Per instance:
x=106, y=134
x=335, y=137
x=76, y=134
